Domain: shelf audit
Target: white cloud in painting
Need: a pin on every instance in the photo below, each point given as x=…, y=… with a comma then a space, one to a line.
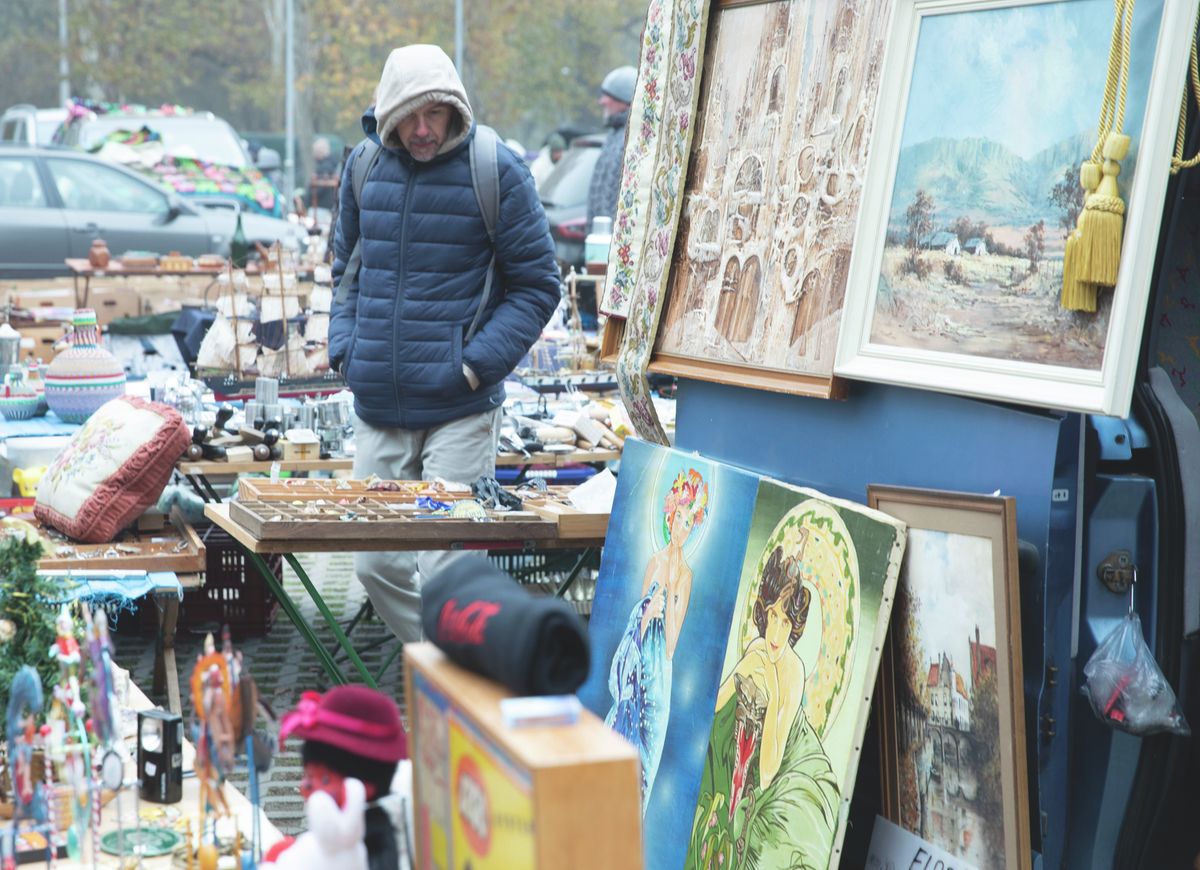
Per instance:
x=952, y=577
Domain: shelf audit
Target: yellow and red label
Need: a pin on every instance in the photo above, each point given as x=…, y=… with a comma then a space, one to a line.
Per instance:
x=491, y=807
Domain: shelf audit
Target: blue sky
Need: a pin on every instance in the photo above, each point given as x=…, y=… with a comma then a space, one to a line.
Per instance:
x=1027, y=77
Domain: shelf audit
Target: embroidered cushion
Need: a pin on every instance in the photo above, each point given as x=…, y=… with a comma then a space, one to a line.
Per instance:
x=114, y=468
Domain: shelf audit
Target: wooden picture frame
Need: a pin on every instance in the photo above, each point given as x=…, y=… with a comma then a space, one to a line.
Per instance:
x=952, y=722
x=762, y=255
x=972, y=187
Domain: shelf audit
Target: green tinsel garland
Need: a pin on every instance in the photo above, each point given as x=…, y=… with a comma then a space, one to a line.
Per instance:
x=22, y=603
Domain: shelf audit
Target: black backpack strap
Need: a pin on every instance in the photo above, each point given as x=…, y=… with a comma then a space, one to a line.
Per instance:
x=364, y=162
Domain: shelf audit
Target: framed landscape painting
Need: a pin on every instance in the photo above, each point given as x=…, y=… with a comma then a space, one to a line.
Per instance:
x=986, y=110
x=772, y=195
x=950, y=701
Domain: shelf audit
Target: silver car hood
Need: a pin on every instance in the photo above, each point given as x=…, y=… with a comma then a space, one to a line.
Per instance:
x=222, y=222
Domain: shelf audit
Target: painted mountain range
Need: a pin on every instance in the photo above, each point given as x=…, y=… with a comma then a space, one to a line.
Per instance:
x=983, y=180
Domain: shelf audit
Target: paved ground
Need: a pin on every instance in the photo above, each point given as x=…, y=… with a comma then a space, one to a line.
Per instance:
x=284, y=667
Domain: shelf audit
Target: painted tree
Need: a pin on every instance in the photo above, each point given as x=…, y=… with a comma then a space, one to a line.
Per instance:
x=1067, y=196
x=1035, y=245
x=919, y=219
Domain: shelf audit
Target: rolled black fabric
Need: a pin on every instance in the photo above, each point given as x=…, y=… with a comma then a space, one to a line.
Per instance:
x=483, y=620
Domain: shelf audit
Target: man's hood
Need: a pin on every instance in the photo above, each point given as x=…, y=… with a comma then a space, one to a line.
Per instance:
x=413, y=77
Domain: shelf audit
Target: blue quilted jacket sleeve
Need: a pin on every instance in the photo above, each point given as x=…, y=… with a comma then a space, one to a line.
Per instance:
x=341, y=321
x=528, y=273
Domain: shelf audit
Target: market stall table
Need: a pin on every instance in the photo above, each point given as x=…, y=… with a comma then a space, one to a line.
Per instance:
x=189, y=807
x=81, y=268
x=198, y=472
x=530, y=535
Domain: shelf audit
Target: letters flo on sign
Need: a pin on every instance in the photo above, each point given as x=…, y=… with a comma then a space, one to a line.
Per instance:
x=893, y=848
x=492, y=816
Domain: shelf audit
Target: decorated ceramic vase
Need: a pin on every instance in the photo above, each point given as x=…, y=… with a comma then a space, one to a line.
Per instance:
x=18, y=401
x=84, y=376
x=99, y=255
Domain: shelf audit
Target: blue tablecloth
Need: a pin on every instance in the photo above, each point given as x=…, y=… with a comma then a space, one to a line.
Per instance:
x=114, y=586
x=47, y=425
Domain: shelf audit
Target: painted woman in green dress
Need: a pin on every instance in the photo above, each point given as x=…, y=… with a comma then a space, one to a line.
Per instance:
x=768, y=796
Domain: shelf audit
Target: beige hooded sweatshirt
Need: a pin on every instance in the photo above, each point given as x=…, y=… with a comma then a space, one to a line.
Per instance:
x=415, y=76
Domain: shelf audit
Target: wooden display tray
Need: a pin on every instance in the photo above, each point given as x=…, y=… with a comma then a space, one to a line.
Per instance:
x=175, y=548
x=378, y=518
x=572, y=522
x=313, y=489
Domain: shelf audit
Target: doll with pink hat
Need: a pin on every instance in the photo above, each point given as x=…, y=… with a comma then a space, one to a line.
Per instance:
x=353, y=741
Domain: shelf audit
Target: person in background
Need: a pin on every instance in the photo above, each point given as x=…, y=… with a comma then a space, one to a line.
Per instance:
x=616, y=95
x=428, y=390
x=548, y=157
x=325, y=165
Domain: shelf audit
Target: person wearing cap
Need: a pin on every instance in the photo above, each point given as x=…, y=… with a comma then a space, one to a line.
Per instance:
x=351, y=733
x=616, y=95
x=548, y=157
x=425, y=363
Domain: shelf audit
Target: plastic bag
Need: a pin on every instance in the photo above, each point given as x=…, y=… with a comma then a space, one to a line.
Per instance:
x=1126, y=688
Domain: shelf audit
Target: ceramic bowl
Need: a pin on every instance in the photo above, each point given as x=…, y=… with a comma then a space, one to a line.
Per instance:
x=18, y=407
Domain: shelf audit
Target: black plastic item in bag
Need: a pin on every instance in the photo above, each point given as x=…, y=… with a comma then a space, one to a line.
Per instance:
x=1127, y=689
x=483, y=620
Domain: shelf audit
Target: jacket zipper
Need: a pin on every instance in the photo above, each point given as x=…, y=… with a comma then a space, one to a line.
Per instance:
x=412, y=180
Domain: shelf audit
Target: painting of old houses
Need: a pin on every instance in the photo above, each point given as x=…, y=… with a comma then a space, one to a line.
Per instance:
x=950, y=701
x=772, y=196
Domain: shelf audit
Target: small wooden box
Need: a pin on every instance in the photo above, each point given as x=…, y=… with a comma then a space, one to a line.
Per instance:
x=300, y=444
x=113, y=303
x=488, y=796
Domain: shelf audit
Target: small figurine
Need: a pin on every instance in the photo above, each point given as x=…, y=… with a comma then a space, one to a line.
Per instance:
x=353, y=738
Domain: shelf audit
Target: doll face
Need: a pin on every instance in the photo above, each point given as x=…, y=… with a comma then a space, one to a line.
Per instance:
x=318, y=777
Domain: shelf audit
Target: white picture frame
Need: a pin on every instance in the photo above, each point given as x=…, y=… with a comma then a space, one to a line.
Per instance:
x=932, y=355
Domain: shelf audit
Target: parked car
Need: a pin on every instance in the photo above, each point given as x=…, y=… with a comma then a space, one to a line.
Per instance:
x=54, y=202
x=28, y=125
x=192, y=153
x=564, y=196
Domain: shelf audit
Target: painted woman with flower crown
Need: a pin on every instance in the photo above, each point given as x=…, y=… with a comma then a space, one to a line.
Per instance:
x=640, y=677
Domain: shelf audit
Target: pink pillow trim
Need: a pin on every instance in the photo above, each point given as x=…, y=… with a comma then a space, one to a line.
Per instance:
x=132, y=488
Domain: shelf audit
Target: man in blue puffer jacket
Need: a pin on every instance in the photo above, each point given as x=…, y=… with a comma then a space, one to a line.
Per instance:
x=428, y=396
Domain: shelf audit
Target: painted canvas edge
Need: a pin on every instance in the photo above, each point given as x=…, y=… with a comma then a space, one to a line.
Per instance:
x=1107, y=391
x=894, y=561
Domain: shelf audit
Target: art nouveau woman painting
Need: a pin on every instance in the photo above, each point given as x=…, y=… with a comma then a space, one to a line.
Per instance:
x=640, y=675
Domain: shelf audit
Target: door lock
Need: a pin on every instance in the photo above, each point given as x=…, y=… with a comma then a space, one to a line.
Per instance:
x=1117, y=571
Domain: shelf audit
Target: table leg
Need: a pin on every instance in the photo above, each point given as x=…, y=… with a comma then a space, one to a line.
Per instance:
x=584, y=557
x=331, y=620
x=166, y=672
x=297, y=619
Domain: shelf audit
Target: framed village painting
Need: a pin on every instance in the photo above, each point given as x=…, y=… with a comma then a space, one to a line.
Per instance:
x=950, y=687
x=773, y=193
x=663, y=602
x=813, y=601
x=986, y=111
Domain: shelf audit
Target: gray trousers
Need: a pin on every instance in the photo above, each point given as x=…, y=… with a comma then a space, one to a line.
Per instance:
x=461, y=451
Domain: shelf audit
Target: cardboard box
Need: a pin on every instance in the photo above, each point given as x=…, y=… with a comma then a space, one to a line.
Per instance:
x=113, y=303
x=38, y=341
x=301, y=444
x=490, y=795
x=43, y=297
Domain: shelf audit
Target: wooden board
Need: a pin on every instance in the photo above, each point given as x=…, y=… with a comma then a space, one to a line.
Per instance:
x=558, y=460
x=545, y=797
x=374, y=519
x=208, y=466
x=175, y=548
x=572, y=522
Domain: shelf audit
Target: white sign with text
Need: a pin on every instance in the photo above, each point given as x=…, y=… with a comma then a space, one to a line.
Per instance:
x=893, y=848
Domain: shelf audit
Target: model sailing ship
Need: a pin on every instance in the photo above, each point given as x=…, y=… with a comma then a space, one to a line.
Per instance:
x=262, y=329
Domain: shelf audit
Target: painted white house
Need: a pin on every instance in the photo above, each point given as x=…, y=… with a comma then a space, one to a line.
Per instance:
x=942, y=241
x=978, y=247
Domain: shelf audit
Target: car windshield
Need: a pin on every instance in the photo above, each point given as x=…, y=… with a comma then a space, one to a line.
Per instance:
x=567, y=184
x=47, y=126
x=201, y=138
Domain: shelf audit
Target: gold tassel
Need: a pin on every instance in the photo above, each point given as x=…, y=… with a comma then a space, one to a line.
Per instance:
x=1078, y=295
x=1099, y=257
